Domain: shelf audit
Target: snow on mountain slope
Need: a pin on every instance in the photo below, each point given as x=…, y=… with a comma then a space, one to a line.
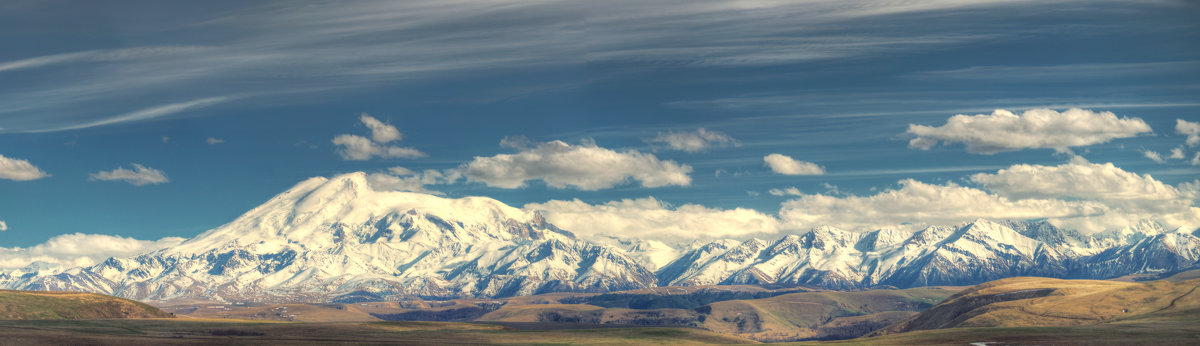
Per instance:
x=329, y=239
x=338, y=239
x=973, y=253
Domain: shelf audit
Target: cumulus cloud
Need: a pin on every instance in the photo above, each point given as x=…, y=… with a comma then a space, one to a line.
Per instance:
x=404, y=179
x=80, y=249
x=1079, y=195
x=1153, y=156
x=1196, y=159
x=1176, y=153
x=649, y=218
x=380, y=132
x=355, y=147
x=1191, y=129
x=1080, y=179
x=19, y=170
x=214, y=140
x=585, y=167
x=138, y=176
x=917, y=204
x=782, y=164
x=1004, y=131
x=694, y=141
x=3, y=225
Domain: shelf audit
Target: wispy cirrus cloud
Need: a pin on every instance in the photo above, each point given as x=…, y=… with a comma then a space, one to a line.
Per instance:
x=288, y=48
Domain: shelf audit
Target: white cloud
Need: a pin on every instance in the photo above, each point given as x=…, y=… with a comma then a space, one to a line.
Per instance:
x=380, y=132
x=585, y=167
x=1004, y=131
x=1080, y=179
x=1079, y=195
x=355, y=147
x=1191, y=129
x=1153, y=156
x=404, y=179
x=147, y=113
x=140, y=175
x=649, y=218
x=694, y=141
x=917, y=204
x=3, y=225
x=782, y=164
x=80, y=249
x=787, y=191
x=1196, y=159
x=19, y=170
x=1176, y=153
x=214, y=140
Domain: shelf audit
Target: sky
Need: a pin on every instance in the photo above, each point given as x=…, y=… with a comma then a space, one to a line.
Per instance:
x=134, y=125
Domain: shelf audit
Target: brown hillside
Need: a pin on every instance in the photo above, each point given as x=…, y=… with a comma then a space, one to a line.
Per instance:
x=1042, y=302
x=42, y=305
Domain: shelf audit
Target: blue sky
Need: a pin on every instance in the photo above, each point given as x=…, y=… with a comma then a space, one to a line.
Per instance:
x=89, y=88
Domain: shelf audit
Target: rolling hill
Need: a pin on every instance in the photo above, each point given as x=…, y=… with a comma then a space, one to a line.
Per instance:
x=33, y=305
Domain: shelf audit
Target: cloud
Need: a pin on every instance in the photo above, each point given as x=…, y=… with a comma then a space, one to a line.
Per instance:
x=403, y=179
x=1176, y=153
x=917, y=204
x=1079, y=195
x=143, y=114
x=19, y=170
x=166, y=139
x=292, y=50
x=380, y=132
x=80, y=249
x=649, y=218
x=788, y=191
x=213, y=140
x=1196, y=159
x=1191, y=129
x=694, y=141
x=1153, y=156
x=355, y=147
x=782, y=164
x=1004, y=131
x=140, y=175
x=585, y=167
x=1080, y=179
x=3, y=225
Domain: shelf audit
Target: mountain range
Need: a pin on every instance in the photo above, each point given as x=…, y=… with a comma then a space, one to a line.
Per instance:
x=339, y=240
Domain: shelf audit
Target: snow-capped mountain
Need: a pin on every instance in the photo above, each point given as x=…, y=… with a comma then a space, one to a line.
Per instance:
x=339, y=239
x=977, y=252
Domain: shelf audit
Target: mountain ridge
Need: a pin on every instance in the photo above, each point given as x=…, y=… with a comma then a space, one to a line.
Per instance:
x=338, y=239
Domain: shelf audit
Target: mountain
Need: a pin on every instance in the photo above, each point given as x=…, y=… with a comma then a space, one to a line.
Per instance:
x=340, y=240
x=977, y=252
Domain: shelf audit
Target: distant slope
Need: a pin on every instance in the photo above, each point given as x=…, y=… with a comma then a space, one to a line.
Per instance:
x=818, y=315
x=43, y=305
x=1042, y=302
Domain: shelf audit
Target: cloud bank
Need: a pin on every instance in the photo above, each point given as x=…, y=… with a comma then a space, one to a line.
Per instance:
x=649, y=218
x=80, y=249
